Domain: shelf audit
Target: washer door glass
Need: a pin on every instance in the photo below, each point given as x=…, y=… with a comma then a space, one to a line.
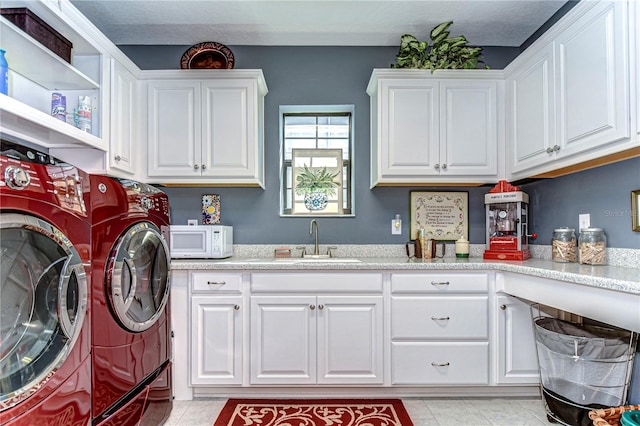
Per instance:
x=43, y=302
x=138, y=276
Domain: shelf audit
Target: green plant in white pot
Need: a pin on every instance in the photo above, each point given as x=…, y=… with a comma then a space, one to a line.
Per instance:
x=445, y=52
x=316, y=186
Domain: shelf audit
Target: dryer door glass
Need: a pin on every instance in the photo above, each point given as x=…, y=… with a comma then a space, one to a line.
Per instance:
x=43, y=302
x=138, y=279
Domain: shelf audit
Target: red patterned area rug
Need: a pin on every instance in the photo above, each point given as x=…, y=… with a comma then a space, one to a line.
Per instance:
x=313, y=412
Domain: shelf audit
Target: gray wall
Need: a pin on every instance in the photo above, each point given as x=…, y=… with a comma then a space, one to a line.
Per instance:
x=339, y=75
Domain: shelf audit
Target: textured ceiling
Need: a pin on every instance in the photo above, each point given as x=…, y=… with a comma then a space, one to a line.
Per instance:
x=314, y=22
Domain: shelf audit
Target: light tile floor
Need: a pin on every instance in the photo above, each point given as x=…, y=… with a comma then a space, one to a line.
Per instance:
x=423, y=412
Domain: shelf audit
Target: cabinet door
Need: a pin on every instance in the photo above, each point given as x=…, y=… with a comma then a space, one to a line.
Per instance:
x=228, y=128
x=216, y=340
x=468, y=128
x=350, y=343
x=408, y=145
x=517, y=358
x=283, y=340
x=593, y=76
x=530, y=113
x=634, y=31
x=174, y=128
x=124, y=106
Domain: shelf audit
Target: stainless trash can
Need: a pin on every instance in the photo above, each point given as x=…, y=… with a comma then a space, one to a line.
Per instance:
x=582, y=367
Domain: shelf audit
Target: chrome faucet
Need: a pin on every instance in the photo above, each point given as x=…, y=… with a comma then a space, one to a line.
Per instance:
x=316, y=251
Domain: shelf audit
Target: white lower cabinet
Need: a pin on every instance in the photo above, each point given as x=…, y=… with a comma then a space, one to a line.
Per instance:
x=439, y=329
x=517, y=361
x=216, y=329
x=409, y=330
x=309, y=333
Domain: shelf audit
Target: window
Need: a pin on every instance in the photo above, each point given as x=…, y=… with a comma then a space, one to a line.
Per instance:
x=316, y=157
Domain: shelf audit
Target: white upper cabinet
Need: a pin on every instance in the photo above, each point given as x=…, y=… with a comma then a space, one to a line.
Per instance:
x=634, y=30
x=35, y=73
x=205, y=127
x=568, y=95
x=124, y=125
x=440, y=128
x=530, y=113
x=593, y=79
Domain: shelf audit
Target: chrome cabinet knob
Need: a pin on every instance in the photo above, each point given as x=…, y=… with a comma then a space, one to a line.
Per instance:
x=556, y=147
x=117, y=158
x=444, y=167
x=503, y=307
x=436, y=166
x=204, y=167
x=236, y=307
x=312, y=307
x=549, y=150
x=196, y=166
x=321, y=307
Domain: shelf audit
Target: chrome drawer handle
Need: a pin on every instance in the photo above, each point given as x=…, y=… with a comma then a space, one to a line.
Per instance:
x=216, y=282
x=440, y=364
x=440, y=318
x=439, y=282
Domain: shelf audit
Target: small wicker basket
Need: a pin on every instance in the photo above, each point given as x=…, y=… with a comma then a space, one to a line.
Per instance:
x=610, y=416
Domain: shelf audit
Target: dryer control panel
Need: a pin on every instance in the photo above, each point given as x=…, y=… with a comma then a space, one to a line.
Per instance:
x=30, y=173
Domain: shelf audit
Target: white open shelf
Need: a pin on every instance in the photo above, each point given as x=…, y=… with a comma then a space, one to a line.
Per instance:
x=29, y=58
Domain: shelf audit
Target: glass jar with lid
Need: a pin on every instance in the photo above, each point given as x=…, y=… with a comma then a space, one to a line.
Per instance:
x=592, y=246
x=563, y=246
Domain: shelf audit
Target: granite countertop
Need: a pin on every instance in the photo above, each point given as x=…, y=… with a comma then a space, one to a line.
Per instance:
x=611, y=277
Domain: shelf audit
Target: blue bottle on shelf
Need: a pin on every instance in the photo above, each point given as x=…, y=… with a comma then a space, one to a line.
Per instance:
x=4, y=74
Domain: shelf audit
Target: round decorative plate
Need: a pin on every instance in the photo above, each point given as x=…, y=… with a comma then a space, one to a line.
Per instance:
x=207, y=55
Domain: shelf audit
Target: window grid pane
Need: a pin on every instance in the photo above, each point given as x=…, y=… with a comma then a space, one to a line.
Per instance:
x=316, y=131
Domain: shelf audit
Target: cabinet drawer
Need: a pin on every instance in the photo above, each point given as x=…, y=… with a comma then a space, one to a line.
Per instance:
x=455, y=317
x=423, y=363
x=313, y=282
x=215, y=282
x=440, y=283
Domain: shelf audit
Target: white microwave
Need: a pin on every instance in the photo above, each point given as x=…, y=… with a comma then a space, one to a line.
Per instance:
x=201, y=241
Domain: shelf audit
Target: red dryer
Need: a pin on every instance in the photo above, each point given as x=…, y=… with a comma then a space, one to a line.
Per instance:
x=45, y=363
x=131, y=342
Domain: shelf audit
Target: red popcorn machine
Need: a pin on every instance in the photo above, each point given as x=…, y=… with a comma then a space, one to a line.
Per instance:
x=507, y=226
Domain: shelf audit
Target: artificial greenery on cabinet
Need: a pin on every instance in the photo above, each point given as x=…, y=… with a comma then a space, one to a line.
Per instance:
x=444, y=53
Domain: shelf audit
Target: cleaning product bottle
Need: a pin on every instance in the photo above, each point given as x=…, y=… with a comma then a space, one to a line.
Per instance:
x=4, y=74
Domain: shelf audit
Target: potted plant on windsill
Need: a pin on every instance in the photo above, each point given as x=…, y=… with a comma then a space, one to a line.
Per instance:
x=316, y=186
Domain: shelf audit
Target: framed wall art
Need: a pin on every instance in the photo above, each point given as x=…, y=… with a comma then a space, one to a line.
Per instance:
x=635, y=210
x=443, y=215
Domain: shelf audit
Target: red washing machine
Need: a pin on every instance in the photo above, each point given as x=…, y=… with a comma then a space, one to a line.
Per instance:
x=131, y=341
x=45, y=341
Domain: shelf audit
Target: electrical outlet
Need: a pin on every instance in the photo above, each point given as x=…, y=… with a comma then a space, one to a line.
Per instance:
x=584, y=220
x=192, y=222
x=396, y=227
